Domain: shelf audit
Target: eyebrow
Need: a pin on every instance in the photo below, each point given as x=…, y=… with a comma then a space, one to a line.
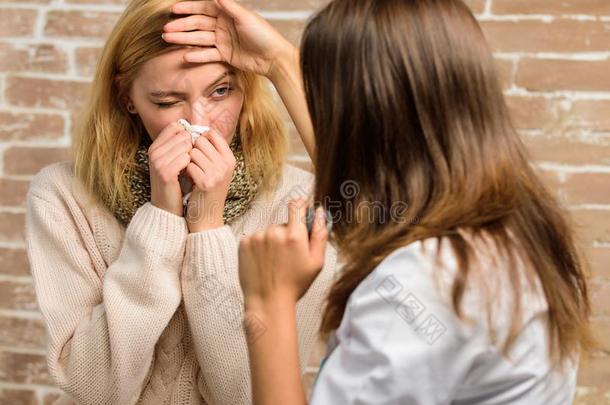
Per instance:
x=171, y=93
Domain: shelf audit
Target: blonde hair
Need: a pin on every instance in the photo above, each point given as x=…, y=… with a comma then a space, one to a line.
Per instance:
x=107, y=137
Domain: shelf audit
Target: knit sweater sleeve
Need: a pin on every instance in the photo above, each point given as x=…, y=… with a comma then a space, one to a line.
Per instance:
x=102, y=330
x=214, y=305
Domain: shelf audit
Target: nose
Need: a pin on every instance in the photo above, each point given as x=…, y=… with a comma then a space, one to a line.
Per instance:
x=198, y=114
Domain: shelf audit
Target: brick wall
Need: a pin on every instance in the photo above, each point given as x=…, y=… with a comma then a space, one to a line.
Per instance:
x=554, y=59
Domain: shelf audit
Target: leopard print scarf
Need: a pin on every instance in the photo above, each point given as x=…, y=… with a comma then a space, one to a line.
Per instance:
x=242, y=190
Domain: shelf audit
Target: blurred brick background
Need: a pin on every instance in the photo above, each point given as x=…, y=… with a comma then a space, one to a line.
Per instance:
x=553, y=57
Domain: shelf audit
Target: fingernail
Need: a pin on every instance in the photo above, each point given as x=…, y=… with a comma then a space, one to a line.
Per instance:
x=163, y=36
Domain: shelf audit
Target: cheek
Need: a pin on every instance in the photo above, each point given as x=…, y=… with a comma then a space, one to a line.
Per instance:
x=156, y=120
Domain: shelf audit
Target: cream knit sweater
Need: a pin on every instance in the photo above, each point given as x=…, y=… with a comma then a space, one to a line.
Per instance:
x=149, y=314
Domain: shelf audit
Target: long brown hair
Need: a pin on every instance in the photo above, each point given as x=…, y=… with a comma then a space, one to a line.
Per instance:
x=406, y=107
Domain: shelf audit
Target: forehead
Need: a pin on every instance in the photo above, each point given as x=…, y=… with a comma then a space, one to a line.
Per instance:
x=169, y=71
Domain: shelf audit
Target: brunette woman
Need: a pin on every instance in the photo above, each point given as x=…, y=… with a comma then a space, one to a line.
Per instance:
x=462, y=282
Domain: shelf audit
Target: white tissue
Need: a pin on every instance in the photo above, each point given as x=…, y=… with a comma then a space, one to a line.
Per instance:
x=195, y=131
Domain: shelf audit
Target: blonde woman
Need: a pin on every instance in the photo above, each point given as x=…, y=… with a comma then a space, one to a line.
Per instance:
x=141, y=295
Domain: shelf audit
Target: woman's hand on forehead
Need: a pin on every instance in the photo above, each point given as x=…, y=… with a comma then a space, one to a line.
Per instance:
x=227, y=32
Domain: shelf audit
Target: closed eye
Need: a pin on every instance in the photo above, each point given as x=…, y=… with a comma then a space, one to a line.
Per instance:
x=166, y=105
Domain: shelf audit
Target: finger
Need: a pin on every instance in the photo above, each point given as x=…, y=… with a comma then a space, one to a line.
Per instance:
x=167, y=132
x=179, y=163
x=205, y=146
x=206, y=55
x=196, y=173
x=177, y=149
x=201, y=160
x=181, y=137
x=209, y=8
x=274, y=234
x=297, y=209
x=190, y=23
x=319, y=235
x=197, y=38
x=220, y=143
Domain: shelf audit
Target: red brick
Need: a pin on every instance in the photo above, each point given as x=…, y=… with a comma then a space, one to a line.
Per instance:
x=600, y=297
x=275, y=5
x=534, y=112
x=12, y=227
x=594, y=114
x=567, y=151
x=551, y=75
x=550, y=179
x=12, y=192
x=86, y=60
x=117, y=2
x=26, y=160
x=599, y=260
x=24, y=368
x=41, y=2
x=37, y=92
x=588, y=188
x=17, y=295
x=591, y=226
x=590, y=396
x=18, y=397
x=291, y=29
x=30, y=126
x=556, y=36
x=504, y=70
x=14, y=262
x=595, y=372
x=88, y=24
x=17, y=22
x=595, y=7
x=477, y=6
x=33, y=58
x=601, y=329
x=22, y=333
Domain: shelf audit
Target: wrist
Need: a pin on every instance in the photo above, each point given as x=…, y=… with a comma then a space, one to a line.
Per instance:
x=205, y=225
x=202, y=216
x=273, y=305
x=284, y=64
x=161, y=203
x=264, y=315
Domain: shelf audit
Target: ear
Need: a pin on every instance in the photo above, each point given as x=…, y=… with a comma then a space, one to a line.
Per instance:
x=128, y=104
